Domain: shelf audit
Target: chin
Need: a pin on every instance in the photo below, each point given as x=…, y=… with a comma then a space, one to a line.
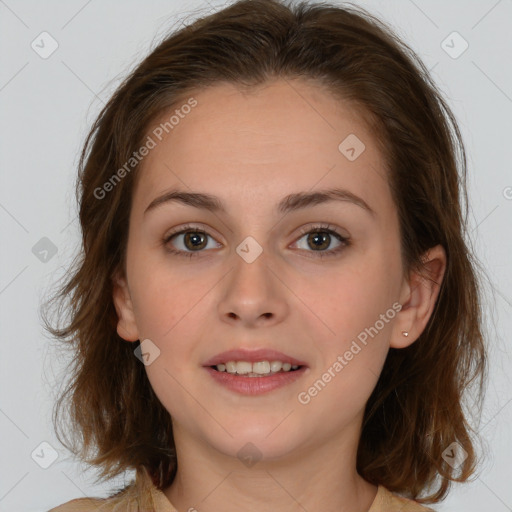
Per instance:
x=257, y=438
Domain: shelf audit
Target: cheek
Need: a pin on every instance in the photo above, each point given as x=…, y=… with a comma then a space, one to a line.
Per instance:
x=351, y=299
x=166, y=313
x=357, y=315
x=170, y=310
x=162, y=295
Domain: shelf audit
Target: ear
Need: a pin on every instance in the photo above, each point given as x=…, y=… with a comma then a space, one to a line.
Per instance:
x=418, y=298
x=126, y=325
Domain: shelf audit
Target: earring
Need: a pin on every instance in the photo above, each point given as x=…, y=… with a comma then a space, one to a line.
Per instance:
x=405, y=333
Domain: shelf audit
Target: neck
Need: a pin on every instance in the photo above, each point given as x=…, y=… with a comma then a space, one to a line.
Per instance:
x=315, y=477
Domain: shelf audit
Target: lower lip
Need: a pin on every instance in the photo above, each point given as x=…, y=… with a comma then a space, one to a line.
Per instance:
x=255, y=385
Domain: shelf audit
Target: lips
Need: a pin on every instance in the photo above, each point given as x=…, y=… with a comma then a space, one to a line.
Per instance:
x=252, y=356
x=244, y=385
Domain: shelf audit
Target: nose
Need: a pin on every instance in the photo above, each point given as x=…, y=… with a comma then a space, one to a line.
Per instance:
x=253, y=293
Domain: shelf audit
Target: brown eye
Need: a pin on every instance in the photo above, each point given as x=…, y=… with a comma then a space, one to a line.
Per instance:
x=320, y=238
x=195, y=240
x=188, y=242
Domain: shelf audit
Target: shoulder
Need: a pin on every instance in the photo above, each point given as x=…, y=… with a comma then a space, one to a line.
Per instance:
x=386, y=501
x=96, y=505
x=77, y=505
x=139, y=496
x=134, y=498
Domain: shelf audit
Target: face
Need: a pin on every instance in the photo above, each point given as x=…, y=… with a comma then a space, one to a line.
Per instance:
x=317, y=281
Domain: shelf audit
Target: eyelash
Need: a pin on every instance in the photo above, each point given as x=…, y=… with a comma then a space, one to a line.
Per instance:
x=321, y=228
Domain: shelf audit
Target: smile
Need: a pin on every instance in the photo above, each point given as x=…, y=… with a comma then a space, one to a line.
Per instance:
x=262, y=384
x=257, y=369
x=254, y=372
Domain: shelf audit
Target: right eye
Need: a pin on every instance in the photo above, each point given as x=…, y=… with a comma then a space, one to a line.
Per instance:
x=194, y=241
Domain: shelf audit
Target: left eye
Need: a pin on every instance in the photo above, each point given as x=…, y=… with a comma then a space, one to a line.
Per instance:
x=321, y=238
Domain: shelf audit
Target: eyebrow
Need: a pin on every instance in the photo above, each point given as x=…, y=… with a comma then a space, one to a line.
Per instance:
x=291, y=202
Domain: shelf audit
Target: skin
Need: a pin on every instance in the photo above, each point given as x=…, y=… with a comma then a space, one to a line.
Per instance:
x=251, y=149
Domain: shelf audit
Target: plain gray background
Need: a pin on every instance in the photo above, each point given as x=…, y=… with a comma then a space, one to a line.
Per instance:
x=47, y=105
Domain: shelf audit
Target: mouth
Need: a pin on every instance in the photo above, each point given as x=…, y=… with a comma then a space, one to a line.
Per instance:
x=255, y=361
x=256, y=371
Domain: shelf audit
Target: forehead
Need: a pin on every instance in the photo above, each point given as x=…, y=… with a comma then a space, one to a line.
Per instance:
x=260, y=143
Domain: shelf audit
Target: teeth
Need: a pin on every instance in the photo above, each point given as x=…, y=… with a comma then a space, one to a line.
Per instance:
x=243, y=367
x=255, y=369
x=230, y=367
x=275, y=366
x=260, y=367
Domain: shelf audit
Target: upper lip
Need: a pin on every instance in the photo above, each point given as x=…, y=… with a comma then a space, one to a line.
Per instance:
x=252, y=356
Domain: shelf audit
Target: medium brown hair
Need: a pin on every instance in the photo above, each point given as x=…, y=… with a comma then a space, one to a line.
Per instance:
x=416, y=410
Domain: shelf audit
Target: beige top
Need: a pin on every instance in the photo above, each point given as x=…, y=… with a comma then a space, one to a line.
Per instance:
x=156, y=501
